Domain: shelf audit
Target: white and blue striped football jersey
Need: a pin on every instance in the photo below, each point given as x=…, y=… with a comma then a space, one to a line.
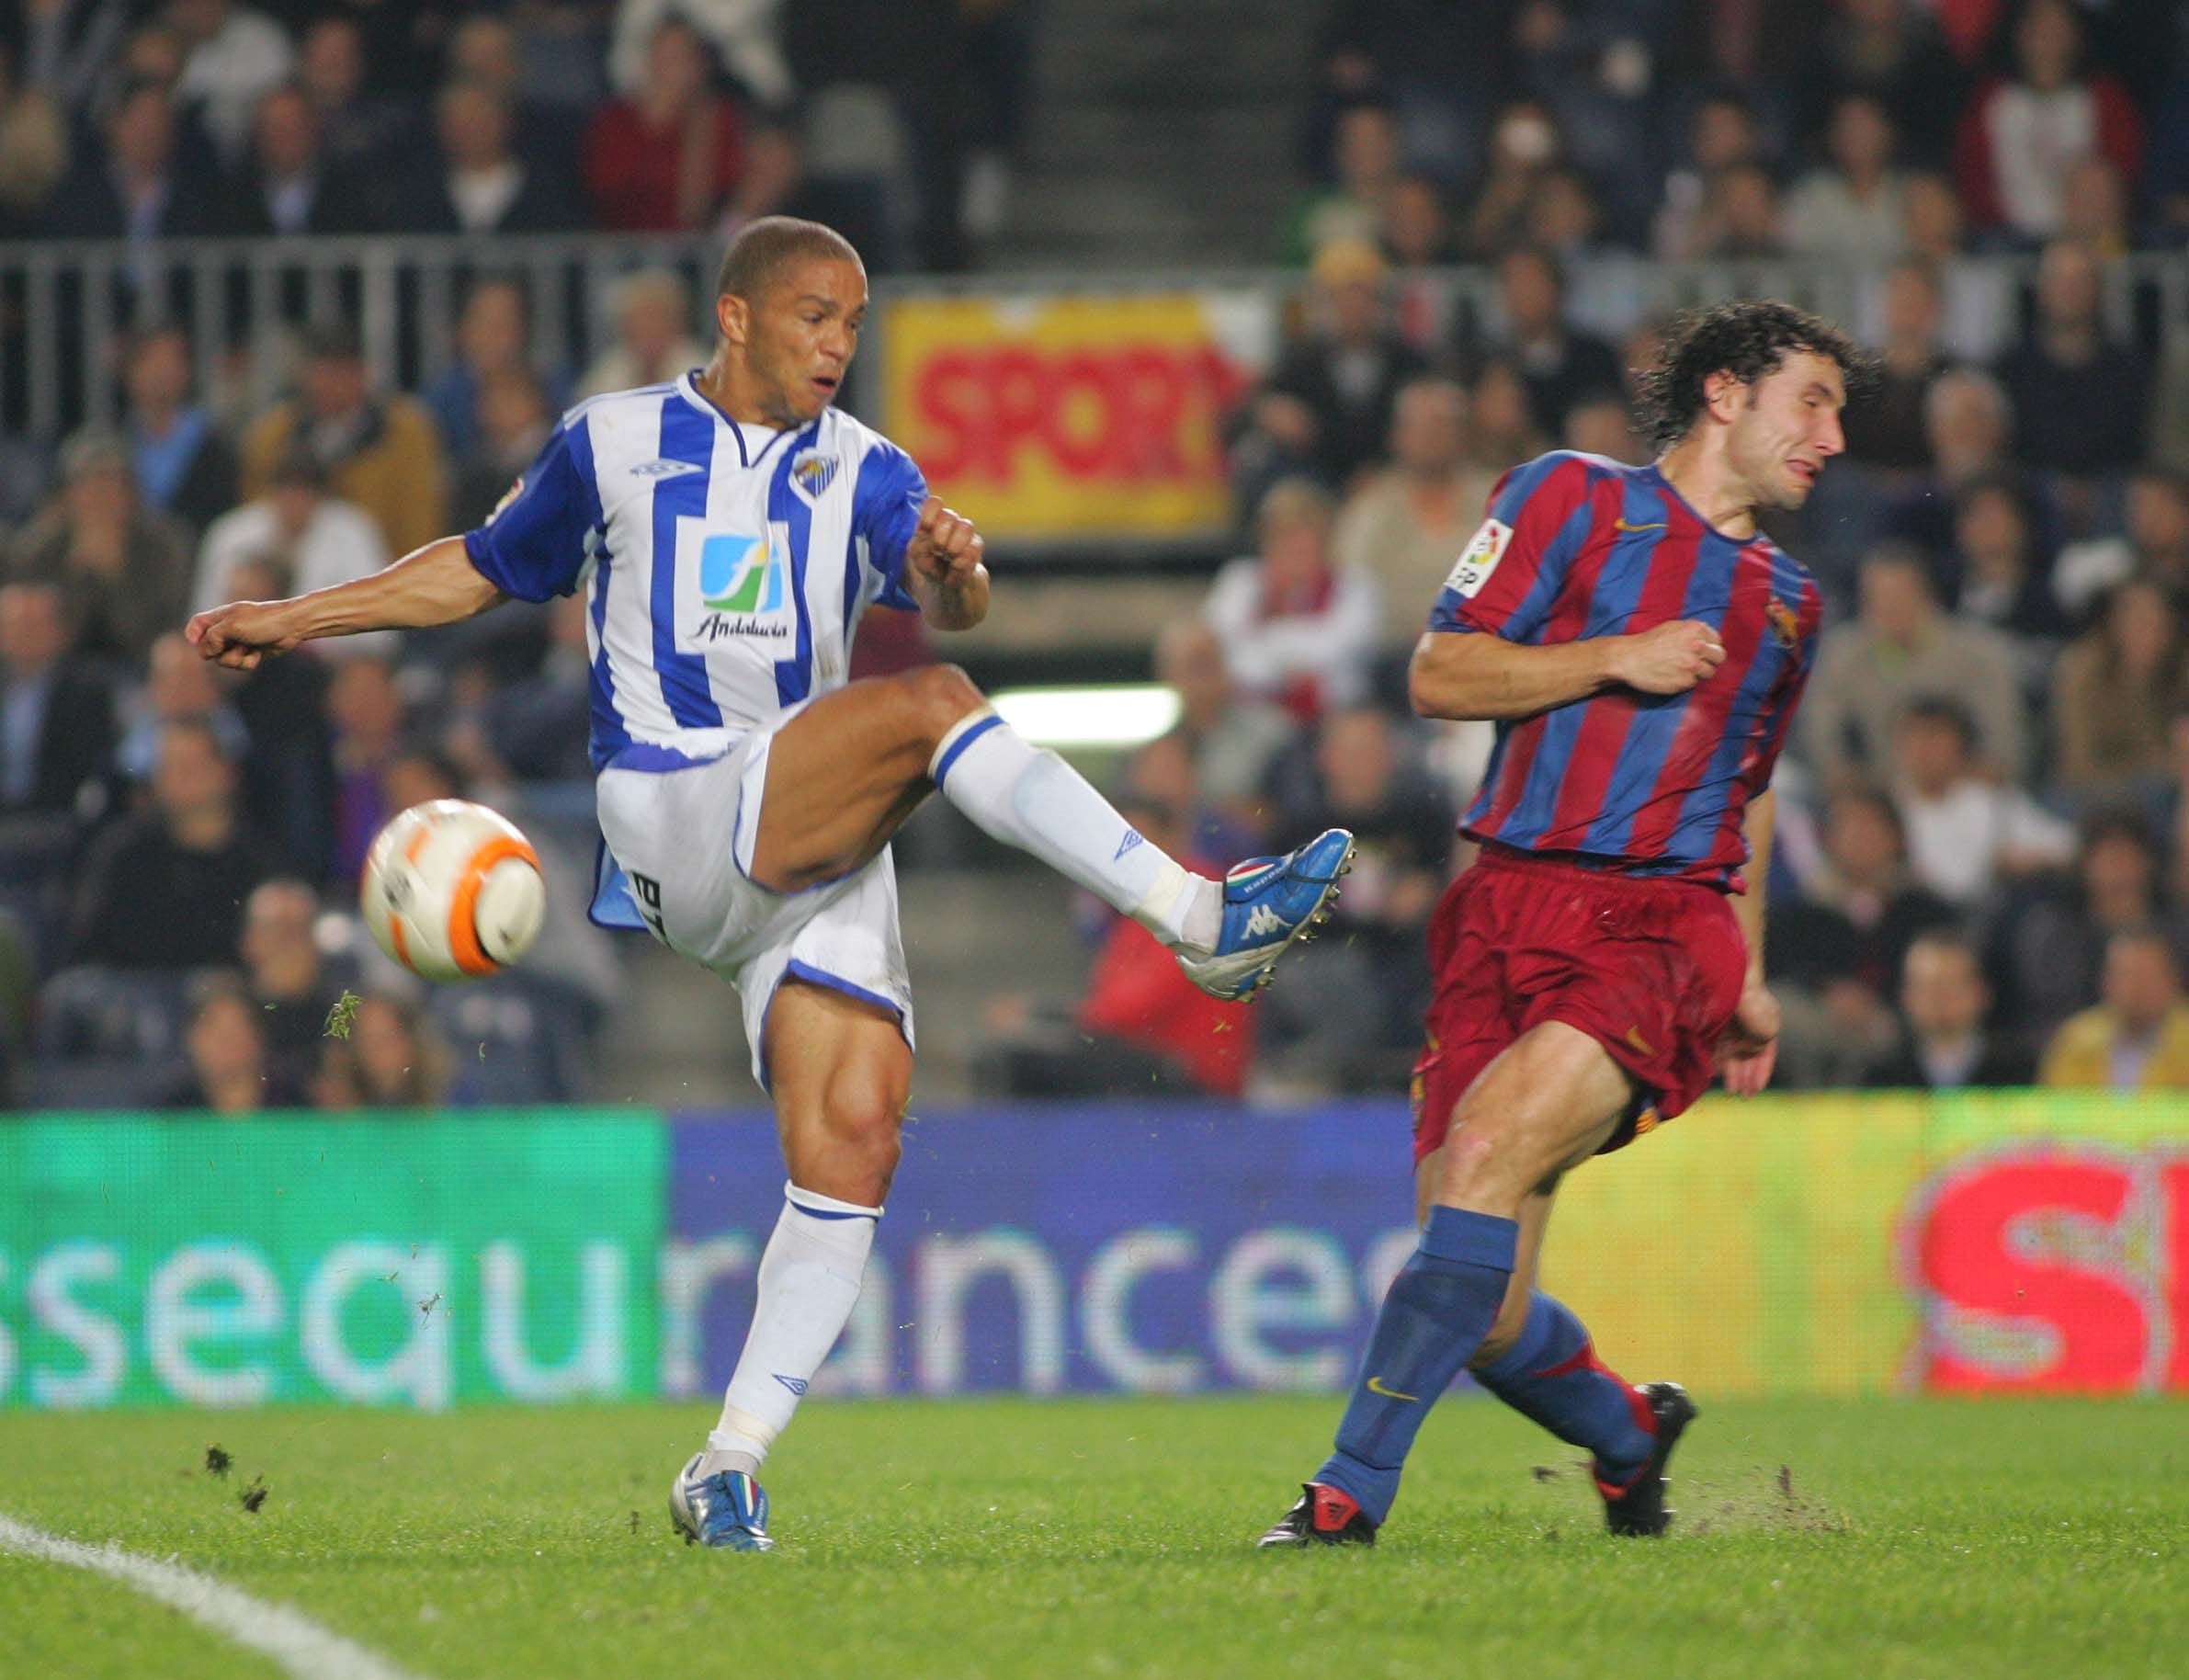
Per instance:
x=726, y=565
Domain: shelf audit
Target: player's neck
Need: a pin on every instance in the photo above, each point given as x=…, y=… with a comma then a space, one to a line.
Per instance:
x=1706, y=482
x=729, y=387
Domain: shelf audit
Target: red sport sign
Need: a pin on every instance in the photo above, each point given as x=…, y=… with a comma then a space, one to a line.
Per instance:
x=1072, y=418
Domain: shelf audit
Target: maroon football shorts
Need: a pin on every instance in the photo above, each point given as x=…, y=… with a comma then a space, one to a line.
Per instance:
x=1650, y=967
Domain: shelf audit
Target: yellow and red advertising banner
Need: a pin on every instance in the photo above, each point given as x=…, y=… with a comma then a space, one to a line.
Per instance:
x=2010, y=1241
x=1074, y=417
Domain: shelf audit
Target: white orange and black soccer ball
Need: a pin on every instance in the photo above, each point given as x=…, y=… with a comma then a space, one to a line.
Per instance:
x=452, y=890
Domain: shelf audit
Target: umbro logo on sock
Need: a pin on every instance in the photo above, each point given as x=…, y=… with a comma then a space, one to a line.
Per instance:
x=1132, y=838
x=797, y=1385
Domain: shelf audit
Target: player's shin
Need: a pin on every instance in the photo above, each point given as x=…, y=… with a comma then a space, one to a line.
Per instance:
x=1032, y=800
x=808, y=1280
x=1440, y=1306
x=1552, y=1375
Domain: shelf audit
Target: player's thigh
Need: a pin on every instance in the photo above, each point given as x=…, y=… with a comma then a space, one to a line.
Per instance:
x=844, y=773
x=840, y=1072
x=1549, y=1100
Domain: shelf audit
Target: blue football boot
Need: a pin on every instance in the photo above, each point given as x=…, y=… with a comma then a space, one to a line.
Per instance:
x=1268, y=904
x=728, y=1508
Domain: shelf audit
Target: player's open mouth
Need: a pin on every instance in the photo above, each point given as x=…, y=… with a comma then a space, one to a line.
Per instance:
x=1805, y=470
x=824, y=384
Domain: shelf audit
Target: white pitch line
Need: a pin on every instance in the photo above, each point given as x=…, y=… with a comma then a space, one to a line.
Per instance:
x=293, y=1640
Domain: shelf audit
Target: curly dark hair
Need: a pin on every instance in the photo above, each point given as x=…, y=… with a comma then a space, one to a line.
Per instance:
x=1748, y=339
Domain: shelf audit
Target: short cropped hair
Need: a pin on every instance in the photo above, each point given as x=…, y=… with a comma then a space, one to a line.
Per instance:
x=1748, y=340
x=761, y=250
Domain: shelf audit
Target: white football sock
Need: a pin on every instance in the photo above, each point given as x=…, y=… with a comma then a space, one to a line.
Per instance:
x=1034, y=800
x=808, y=1280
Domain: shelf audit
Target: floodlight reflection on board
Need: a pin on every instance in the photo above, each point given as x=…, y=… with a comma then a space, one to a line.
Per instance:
x=1125, y=715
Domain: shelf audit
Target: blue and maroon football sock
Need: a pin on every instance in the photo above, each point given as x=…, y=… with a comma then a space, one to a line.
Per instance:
x=1441, y=1305
x=1552, y=1375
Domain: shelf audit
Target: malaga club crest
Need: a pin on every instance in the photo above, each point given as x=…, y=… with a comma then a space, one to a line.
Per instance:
x=811, y=474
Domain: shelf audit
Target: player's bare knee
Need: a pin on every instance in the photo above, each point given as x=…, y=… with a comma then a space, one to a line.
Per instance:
x=937, y=697
x=862, y=1113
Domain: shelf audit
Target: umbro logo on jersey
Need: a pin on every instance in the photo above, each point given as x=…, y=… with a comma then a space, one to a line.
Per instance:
x=666, y=469
x=1263, y=922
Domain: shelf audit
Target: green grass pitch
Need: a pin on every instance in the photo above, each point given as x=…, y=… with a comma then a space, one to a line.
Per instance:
x=1878, y=1539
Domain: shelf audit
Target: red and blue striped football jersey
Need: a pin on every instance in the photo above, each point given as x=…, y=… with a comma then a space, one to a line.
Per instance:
x=1578, y=546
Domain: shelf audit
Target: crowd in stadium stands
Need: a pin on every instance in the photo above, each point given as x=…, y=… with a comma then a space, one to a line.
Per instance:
x=1983, y=869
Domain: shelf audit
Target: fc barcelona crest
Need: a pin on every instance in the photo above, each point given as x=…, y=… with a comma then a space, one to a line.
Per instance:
x=1785, y=630
x=811, y=474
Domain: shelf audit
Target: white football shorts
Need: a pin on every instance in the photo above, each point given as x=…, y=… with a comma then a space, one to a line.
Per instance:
x=681, y=824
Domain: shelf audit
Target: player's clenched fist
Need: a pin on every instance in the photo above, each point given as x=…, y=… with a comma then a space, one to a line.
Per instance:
x=241, y=633
x=944, y=546
x=1667, y=658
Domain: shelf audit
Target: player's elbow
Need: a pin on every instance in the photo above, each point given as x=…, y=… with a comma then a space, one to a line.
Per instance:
x=1432, y=684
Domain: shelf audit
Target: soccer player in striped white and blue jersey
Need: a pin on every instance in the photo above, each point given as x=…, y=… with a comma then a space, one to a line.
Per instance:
x=729, y=528
x=1641, y=647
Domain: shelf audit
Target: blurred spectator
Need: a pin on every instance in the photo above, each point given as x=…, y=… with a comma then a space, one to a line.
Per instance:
x=514, y=423
x=1836, y=948
x=2137, y=1038
x=493, y=339
x=318, y=539
x=289, y=979
x=742, y=34
x=1600, y=423
x=2154, y=546
x=1557, y=362
x=288, y=774
x=1563, y=219
x=34, y=150
x=1887, y=424
x=1967, y=423
x=483, y=186
x=1232, y=740
x=1901, y=647
x=361, y=131
x=653, y=335
x=1891, y=51
x=1355, y=206
x=188, y=854
x=1966, y=833
x=1852, y=210
x=180, y=687
x=1165, y=769
x=391, y=1059
x=230, y=1073
x=1141, y=1028
x=132, y=188
x=536, y=728
x=289, y=184
x=1406, y=527
x=1414, y=229
x=2000, y=571
x=1721, y=136
x=2115, y=692
x=56, y=711
x=2081, y=398
x=183, y=458
x=1979, y=303
x=68, y=46
x=1353, y=1024
x=1326, y=407
x=1503, y=420
x=1524, y=147
x=678, y=156
x=379, y=452
x=1295, y=630
x=1741, y=219
x=1944, y=1002
x=233, y=57
x=367, y=711
x=122, y=569
x=2048, y=940
x=2095, y=212
x=2019, y=134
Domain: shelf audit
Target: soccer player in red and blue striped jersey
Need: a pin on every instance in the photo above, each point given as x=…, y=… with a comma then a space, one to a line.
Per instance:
x=1643, y=648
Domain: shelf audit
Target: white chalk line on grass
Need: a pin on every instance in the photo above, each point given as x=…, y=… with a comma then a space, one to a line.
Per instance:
x=289, y=1636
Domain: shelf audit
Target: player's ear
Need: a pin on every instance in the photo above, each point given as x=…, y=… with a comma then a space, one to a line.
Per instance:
x=734, y=316
x=1723, y=395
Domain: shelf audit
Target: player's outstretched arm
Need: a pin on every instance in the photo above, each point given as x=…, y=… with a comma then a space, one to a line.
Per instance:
x=942, y=568
x=435, y=584
x=1472, y=674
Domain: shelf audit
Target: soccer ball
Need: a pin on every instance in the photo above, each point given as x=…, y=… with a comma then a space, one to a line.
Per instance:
x=452, y=890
